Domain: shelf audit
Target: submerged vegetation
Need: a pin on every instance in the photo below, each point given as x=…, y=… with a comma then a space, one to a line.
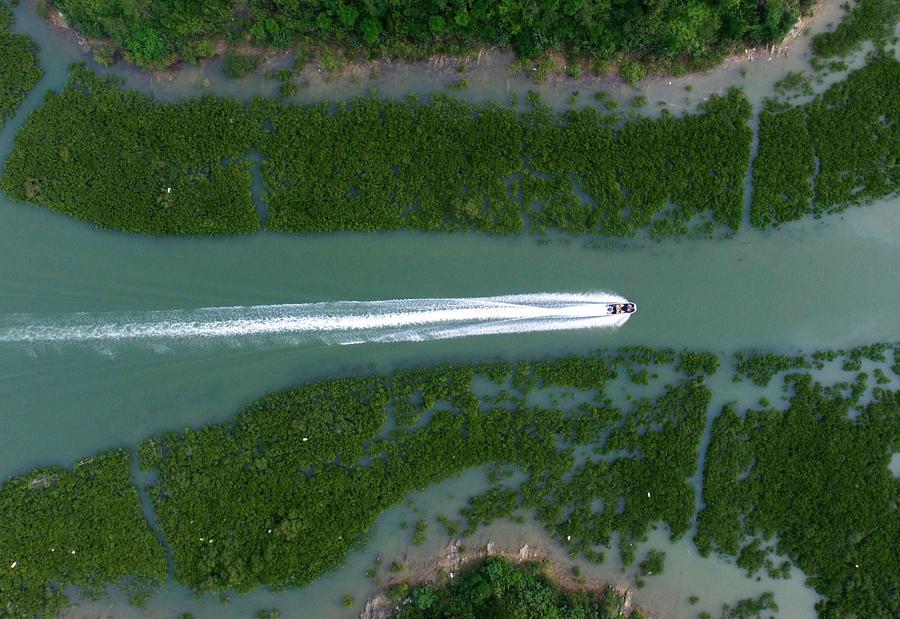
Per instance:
x=79, y=527
x=839, y=150
x=496, y=588
x=283, y=492
x=19, y=68
x=164, y=32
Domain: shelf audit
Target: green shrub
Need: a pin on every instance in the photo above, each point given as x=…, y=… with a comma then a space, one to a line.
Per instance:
x=632, y=72
x=162, y=31
x=19, y=68
x=521, y=591
x=850, y=129
x=867, y=20
x=784, y=166
x=117, y=159
x=237, y=65
x=653, y=564
x=82, y=527
x=794, y=476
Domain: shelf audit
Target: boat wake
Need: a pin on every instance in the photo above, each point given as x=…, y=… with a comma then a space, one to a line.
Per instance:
x=339, y=322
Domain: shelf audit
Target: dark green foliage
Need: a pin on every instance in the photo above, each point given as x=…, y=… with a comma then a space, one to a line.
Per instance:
x=295, y=445
x=854, y=131
x=795, y=82
x=496, y=588
x=19, y=68
x=867, y=20
x=761, y=367
x=236, y=65
x=632, y=492
x=695, y=363
x=750, y=608
x=281, y=494
x=631, y=174
x=873, y=352
x=653, y=564
x=752, y=557
x=81, y=527
x=378, y=165
x=160, y=32
x=118, y=160
x=818, y=482
x=784, y=166
x=495, y=504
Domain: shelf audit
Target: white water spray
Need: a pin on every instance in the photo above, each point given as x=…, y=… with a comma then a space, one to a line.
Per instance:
x=340, y=322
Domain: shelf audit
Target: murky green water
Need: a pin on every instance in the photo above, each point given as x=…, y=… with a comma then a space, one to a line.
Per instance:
x=814, y=284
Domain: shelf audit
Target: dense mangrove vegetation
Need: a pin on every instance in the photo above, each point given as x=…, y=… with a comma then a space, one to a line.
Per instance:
x=164, y=32
x=79, y=527
x=837, y=151
x=19, y=68
x=812, y=483
x=120, y=160
x=497, y=588
x=282, y=493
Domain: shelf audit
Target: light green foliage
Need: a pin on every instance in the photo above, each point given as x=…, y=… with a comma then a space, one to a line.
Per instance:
x=118, y=160
x=816, y=481
x=632, y=72
x=496, y=588
x=19, y=68
x=419, y=532
x=79, y=527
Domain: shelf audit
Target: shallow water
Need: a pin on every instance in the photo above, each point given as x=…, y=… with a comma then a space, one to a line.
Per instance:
x=813, y=284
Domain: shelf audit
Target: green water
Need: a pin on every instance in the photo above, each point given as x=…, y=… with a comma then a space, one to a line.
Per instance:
x=814, y=284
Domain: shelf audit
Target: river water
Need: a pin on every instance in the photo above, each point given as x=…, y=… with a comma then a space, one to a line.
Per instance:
x=814, y=284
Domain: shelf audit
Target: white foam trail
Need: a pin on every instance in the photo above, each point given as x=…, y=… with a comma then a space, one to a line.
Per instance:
x=340, y=322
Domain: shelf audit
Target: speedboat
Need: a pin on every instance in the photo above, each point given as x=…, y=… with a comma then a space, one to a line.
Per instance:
x=613, y=309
